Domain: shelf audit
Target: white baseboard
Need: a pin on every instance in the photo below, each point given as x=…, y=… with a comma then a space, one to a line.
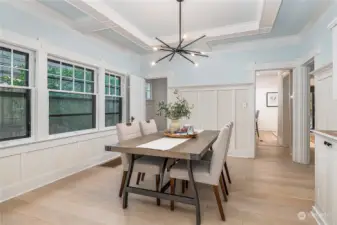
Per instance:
x=32, y=184
x=318, y=215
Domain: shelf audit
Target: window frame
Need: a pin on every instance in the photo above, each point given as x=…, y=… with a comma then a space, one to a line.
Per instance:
x=31, y=98
x=94, y=93
x=121, y=95
x=150, y=91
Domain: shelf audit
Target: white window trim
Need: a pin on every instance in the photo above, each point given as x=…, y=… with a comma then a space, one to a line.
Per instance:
x=95, y=92
x=122, y=93
x=31, y=87
x=151, y=96
x=44, y=50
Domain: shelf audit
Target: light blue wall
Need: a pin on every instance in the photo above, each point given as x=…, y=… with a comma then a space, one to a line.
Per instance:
x=234, y=67
x=220, y=68
x=29, y=25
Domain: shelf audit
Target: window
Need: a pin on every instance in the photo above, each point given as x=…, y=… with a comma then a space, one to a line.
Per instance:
x=148, y=91
x=113, y=100
x=72, y=97
x=14, y=94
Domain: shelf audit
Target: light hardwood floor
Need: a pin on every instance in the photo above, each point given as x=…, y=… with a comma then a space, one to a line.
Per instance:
x=269, y=190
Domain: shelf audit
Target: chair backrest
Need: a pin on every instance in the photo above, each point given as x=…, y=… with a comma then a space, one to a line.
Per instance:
x=219, y=153
x=230, y=125
x=126, y=132
x=148, y=127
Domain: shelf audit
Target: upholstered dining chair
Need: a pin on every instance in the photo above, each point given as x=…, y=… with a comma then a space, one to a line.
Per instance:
x=144, y=164
x=205, y=172
x=148, y=127
x=208, y=157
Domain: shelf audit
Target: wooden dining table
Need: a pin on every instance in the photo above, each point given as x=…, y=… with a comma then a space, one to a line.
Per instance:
x=190, y=150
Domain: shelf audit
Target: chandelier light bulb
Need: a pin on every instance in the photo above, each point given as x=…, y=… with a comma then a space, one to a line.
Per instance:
x=153, y=63
x=192, y=54
x=184, y=36
x=155, y=49
x=202, y=53
x=196, y=64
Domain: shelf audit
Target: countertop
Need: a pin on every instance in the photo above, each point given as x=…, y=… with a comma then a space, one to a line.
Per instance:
x=326, y=133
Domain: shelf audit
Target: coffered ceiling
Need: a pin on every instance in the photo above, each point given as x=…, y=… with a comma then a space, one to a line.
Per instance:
x=136, y=23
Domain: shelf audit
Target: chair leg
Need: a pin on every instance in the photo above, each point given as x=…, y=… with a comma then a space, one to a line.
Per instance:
x=183, y=183
x=257, y=130
x=223, y=189
x=122, y=184
x=227, y=172
x=218, y=200
x=186, y=183
x=224, y=182
x=157, y=187
x=138, y=178
x=143, y=176
x=173, y=185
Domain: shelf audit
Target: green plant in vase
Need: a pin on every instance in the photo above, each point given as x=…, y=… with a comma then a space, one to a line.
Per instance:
x=175, y=111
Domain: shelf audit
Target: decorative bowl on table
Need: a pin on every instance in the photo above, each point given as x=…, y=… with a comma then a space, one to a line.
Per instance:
x=183, y=132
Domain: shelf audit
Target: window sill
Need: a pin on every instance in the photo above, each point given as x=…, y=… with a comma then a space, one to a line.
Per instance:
x=14, y=143
x=25, y=141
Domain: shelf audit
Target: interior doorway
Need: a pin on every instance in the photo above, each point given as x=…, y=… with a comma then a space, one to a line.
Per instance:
x=273, y=104
x=156, y=91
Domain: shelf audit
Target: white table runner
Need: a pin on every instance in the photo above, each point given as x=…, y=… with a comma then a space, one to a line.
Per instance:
x=165, y=143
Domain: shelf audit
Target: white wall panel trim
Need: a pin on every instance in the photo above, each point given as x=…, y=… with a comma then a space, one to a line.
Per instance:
x=17, y=189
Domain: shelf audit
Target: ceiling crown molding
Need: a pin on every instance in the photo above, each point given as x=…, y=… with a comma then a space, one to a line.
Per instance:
x=102, y=16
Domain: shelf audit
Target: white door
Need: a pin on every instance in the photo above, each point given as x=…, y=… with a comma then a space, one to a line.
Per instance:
x=137, y=98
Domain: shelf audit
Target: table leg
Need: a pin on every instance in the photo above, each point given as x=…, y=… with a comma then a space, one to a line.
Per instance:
x=195, y=191
x=162, y=174
x=162, y=171
x=127, y=181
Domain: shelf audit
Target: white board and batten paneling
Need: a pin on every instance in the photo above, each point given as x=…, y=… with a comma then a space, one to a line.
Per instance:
x=214, y=106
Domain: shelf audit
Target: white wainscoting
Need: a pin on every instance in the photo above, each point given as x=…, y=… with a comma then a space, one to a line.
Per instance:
x=27, y=167
x=214, y=106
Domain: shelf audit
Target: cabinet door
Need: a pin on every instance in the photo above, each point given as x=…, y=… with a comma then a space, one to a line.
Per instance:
x=332, y=218
x=321, y=178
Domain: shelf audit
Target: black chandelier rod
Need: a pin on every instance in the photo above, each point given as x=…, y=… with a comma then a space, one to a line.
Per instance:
x=180, y=23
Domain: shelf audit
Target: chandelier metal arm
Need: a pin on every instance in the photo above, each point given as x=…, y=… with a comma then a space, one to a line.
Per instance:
x=164, y=57
x=193, y=41
x=176, y=49
x=165, y=50
x=195, y=54
x=179, y=49
x=164, y=43
x=186, y=58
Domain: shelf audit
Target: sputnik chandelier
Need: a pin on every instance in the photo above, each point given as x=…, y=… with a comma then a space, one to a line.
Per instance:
x=180, y=49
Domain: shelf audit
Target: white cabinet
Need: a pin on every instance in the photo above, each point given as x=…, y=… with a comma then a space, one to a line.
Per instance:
x=333, y=27
x=325, y=179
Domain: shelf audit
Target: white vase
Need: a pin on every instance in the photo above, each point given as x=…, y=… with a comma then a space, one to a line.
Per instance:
x=175, y=125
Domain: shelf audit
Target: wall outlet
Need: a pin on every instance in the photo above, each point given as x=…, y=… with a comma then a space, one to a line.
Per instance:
x=244, y=105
